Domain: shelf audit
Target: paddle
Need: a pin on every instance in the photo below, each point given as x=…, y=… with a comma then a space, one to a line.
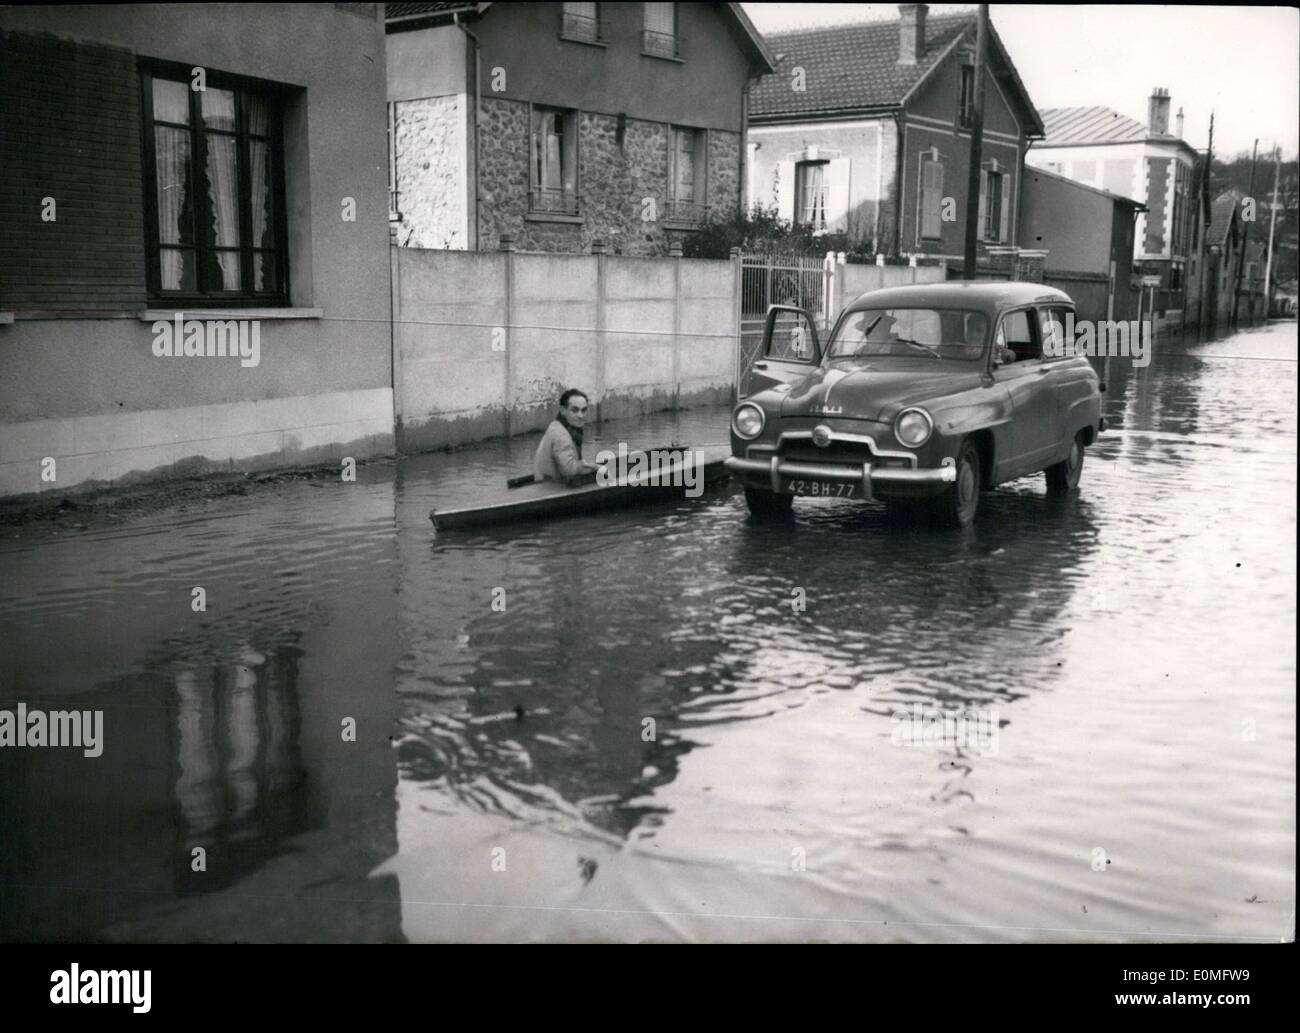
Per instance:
x=528, y=478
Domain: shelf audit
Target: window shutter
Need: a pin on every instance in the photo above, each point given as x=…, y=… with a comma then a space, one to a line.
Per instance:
x=701, y=166
x=837, y=196
x=785, y=190
x=1006, y=209
x=984, y=192
x=568, y=123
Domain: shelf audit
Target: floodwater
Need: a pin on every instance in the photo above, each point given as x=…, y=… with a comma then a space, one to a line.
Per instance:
x=676, y=724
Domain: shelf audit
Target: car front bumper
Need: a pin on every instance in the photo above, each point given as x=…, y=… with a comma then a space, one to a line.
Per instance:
x=769, y=473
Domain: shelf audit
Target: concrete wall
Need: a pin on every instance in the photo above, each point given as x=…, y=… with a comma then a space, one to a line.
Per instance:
x=858, y=279
x=79, y=382
x=487, y=341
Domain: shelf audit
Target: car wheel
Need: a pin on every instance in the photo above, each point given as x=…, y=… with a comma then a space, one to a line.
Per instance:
x=957, y=506
x=767, y=504
x=1064, y=476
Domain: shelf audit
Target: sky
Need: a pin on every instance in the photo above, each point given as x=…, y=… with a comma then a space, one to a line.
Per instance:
x=1243, y=62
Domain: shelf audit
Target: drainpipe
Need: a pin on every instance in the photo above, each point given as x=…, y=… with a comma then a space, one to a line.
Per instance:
x=898, y=182
x=478, y=117
x=744, y=147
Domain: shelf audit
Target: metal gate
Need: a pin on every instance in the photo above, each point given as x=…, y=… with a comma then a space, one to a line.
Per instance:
x=777, y=280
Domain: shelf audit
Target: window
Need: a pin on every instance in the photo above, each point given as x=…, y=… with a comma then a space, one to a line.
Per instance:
x=810, y=182
x=659, y=38
x=1052, y=332
x=1017, y=333
x=687, y=175
x=966, y=105
x=581, y=22
x=931, y=196
x=214, y=189
x=1178, y=244
x=553, y=164
x=991, y=205
x=1175, y=278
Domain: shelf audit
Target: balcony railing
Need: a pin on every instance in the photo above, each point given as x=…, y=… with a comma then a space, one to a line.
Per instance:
x=661, y=44
x=556, y=201
x=692, y=212
x=582, y=28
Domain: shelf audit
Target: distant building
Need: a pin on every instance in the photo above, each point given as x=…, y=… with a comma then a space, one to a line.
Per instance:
x=865, y=130
x=595, y=121
x=1223, y=259
x=1103, y=148
x=1087, y=234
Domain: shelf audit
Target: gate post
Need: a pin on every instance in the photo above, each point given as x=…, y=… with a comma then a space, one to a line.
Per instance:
x=737, y=281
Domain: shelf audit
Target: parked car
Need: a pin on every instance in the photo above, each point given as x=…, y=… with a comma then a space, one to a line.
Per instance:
x=922, y=397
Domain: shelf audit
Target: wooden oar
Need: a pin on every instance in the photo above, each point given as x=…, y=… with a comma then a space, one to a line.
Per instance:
x=528, y=478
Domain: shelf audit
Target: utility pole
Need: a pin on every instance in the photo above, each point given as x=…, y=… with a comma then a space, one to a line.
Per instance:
x=976, y=146
x=1272, y=223
x=1245, y=238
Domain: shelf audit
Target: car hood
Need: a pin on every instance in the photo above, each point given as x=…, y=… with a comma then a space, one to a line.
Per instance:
x=862, y=391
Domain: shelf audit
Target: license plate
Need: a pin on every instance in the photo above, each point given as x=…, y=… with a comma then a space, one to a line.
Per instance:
x=822, y=489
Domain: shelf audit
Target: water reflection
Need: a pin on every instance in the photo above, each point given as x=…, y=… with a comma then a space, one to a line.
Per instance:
x=241, y=785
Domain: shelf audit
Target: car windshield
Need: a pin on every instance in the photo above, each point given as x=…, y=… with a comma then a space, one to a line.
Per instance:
x=943, y=334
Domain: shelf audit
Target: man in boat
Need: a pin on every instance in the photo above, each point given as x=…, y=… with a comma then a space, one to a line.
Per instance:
x=559, y=455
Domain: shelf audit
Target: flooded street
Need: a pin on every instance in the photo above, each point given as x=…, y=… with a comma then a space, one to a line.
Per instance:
x=646, y=738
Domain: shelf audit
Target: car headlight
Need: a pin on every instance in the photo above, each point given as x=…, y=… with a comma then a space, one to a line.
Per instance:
x=747, y=421
x=913, y=427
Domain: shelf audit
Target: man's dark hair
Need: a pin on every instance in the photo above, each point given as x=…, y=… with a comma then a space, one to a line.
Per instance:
x=564, y=398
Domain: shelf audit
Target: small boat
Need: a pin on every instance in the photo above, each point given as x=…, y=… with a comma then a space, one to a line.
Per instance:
x=539, y=501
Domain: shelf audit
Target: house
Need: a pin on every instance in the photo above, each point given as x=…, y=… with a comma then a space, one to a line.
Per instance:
x=1104, y=148
x=564, y=124
x=1087, y=234
x=1224, y=242
x=865, y=130
x=169, y=182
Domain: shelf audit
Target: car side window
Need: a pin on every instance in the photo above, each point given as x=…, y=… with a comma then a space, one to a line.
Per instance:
x=1019, y=333
x=792, y=338
x=1051, y=323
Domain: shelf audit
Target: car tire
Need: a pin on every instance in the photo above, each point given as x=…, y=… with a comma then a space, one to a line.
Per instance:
x=1064, y=476
x=957, y=506
x=766, y=505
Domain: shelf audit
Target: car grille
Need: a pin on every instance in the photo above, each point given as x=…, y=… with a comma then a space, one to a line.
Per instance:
x=849, y=453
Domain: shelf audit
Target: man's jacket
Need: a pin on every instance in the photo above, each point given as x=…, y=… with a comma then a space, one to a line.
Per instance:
x=557, y=457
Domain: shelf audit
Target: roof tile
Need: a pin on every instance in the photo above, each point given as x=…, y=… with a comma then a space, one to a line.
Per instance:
x=848, y=67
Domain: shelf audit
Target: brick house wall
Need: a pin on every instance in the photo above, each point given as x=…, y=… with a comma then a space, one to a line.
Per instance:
x=74, y=138
x=1159, y=171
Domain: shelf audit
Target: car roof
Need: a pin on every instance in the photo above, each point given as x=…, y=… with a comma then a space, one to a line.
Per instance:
x=988, y=297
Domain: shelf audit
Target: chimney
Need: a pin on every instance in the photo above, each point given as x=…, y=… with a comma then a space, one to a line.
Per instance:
x=1158, y=112
x=1178, y=124
x=911, y=32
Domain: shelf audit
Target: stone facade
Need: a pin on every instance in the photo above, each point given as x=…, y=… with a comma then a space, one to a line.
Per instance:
x=431, y=169
x=614, y=182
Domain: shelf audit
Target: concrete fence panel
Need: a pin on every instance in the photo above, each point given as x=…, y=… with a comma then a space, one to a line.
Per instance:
x=485, y=342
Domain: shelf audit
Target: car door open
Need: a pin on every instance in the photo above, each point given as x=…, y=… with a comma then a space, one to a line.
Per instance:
x=791, y=350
